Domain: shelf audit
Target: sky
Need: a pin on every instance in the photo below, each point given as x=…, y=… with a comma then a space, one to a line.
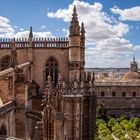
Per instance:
x=112, y=26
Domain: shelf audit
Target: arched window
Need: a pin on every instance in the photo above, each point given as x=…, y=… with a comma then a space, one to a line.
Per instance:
x=52, y=69
x=5, y=62
x=133, y=94
x=102, y=93
x=123, y=94
x=113, y=94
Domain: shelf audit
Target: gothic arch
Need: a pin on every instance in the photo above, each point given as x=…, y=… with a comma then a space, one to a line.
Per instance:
x=5, y=62
x=51, y=68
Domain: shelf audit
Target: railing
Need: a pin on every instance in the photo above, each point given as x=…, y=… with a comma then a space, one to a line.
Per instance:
x=37, y=42
x=6, y=108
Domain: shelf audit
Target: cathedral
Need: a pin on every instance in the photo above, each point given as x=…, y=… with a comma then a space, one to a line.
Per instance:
x=45, y=93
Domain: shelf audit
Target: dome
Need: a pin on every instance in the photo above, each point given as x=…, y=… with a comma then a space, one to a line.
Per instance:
x=131, y=76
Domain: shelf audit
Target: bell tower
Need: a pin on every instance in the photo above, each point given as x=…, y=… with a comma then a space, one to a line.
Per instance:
x=75, y=48
x=134, y=65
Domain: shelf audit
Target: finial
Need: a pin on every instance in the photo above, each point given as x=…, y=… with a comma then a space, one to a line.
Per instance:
x=82, y=26
x=74, y=10
x=74, y=26
x=82, y=30
x=31, y=33
x=49, y=78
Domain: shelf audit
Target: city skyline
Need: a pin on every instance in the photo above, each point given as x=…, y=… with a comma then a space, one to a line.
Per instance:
x=112, y=29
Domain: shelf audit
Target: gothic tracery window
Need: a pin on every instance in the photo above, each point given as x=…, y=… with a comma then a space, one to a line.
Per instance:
x=52, y=70
x=5, y=62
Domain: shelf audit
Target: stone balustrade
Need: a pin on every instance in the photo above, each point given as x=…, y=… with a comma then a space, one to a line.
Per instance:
x=36, y=42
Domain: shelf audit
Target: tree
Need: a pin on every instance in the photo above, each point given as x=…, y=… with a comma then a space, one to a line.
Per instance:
x=101, y=111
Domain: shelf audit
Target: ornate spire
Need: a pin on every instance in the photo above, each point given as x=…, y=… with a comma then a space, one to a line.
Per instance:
x=31, y=33
x=74, y=26
x=82, y=34
x=13, y=57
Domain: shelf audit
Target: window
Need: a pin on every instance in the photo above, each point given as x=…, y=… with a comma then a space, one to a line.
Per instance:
x=123, y=94
x=52, y=70
x=133, y=94
x=113, y=93
x=5, y=62
x=102, y=93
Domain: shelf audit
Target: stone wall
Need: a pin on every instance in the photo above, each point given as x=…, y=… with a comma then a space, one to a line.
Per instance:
x=126, y=99
x=40, y=56
x=5, y=90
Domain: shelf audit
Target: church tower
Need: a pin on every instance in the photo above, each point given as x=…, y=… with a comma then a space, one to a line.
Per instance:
x=134, y=65
x=75, y=48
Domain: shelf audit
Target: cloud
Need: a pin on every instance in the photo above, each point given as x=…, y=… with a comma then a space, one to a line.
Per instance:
x=66, y=31
x=25, y=34
x=43, y=26
x=21, y=29
x=16, y=27
x=8, y=31
x=5, y=27
x=136, y=47
x=104, y=34
x=132, y=14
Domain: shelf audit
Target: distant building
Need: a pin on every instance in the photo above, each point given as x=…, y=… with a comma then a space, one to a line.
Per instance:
x=120, y=96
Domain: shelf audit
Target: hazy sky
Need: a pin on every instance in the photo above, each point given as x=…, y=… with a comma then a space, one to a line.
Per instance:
x=112, y=26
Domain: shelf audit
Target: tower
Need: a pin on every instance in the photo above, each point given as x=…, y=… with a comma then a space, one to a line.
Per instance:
x=134, y=65
x=75, y=48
